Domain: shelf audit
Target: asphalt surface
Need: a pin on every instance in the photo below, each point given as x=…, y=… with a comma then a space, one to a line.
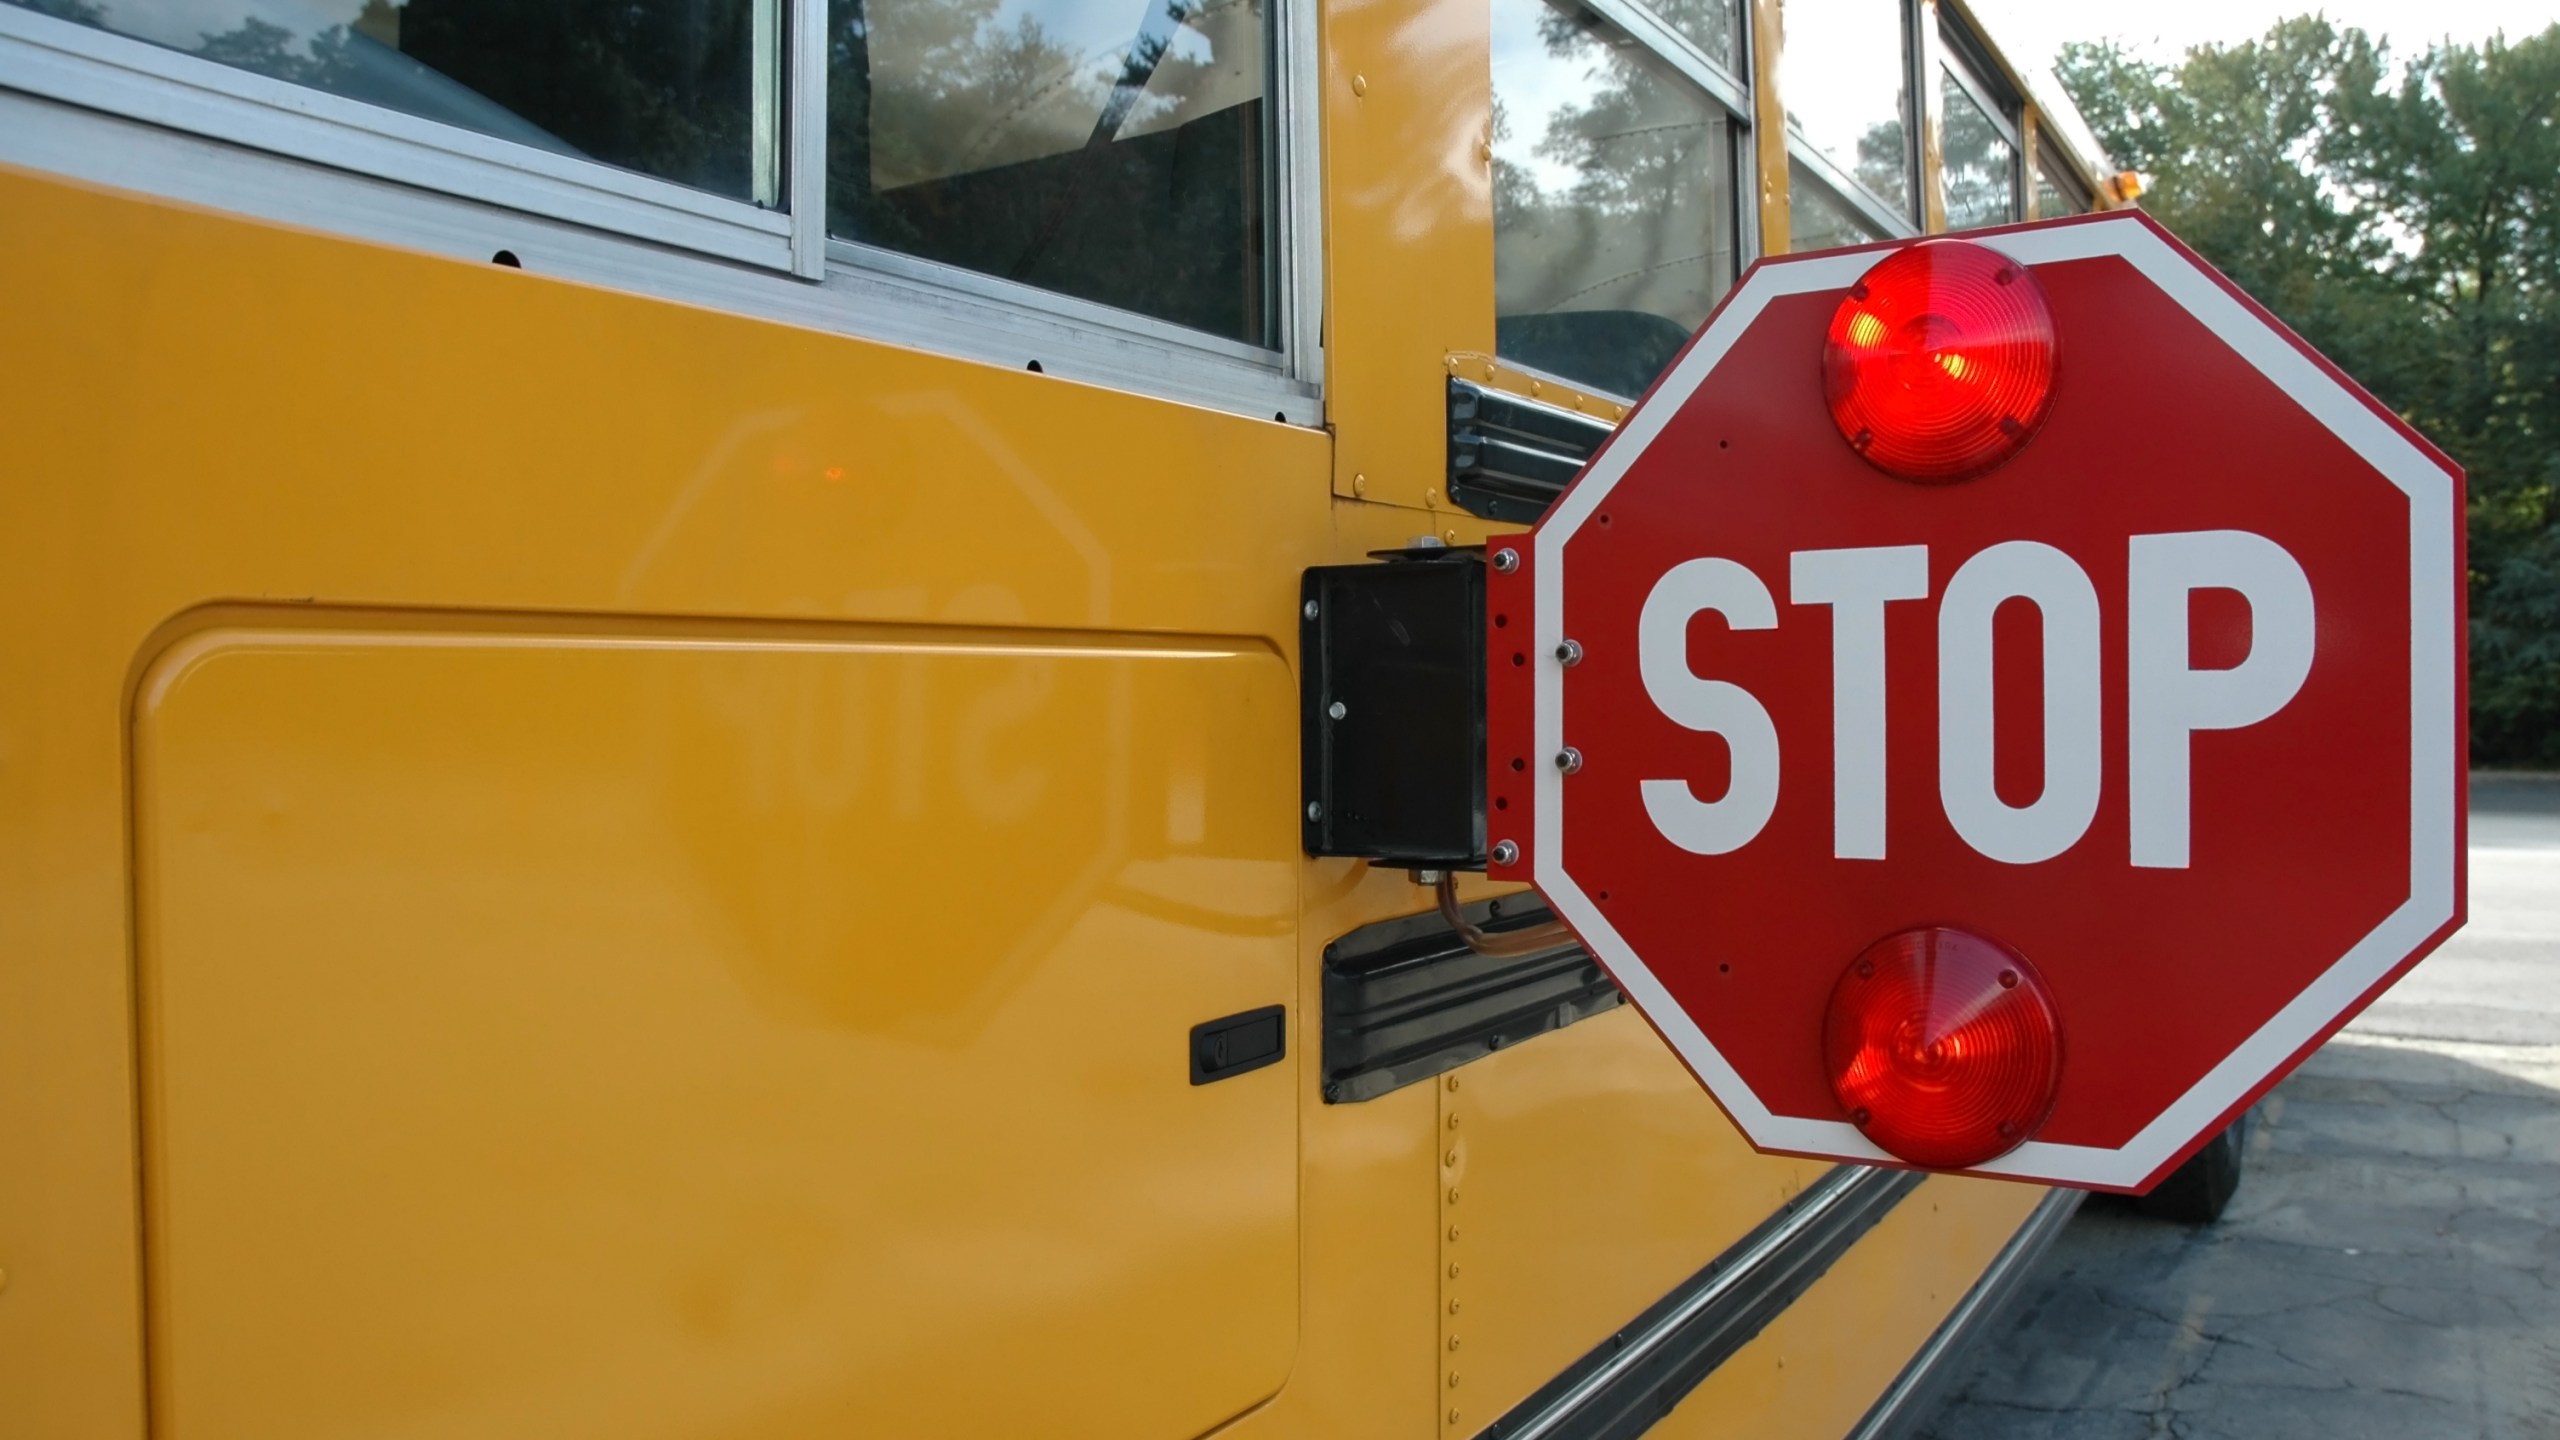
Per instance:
x=2498, y=979
x=2391, y=1265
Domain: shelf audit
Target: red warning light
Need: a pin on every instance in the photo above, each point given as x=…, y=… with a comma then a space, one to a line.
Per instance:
x=1939, y=363
x=1943, y=1046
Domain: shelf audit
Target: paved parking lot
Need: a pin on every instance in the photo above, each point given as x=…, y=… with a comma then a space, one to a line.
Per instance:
x=2391, y=1265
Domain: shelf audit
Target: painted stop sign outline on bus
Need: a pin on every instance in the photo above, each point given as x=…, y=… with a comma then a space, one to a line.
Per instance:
x=2014, y=764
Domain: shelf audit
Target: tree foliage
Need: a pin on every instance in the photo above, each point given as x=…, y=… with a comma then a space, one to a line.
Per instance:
x=2405, y=218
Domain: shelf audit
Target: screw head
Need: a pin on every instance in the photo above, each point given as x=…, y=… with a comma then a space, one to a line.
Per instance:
x=1569, y=760
x=1506, y=560
x=1569, y=654
x=1505, y=853
x=1337, y=709
x=1315, y=809
x=1308, y=610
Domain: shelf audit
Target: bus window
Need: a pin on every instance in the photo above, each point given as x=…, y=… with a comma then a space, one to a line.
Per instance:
x=1614, y=216
x=2058, y=191
x=667, y=90
x=1714, y=26
x=1847, y=95
x=1819, y=219
x=1981, y=169
x=1056, y=143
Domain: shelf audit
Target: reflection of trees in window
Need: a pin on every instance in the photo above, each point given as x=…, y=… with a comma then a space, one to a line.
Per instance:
x=78, y=11
x=1712, y=25
x=1884, y=161
x=1977, y=164
x=1131, y=174
x=1600, y=278
x=1818, y=219
x=659, y=88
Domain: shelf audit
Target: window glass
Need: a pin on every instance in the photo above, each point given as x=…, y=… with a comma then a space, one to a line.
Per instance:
x=1981, y=166
x=664, y=87
x=2057, y=195
x=1847, y=91
x=1714, y=26
x=1818, y=219
x=1078, y=145
x=1614, y=215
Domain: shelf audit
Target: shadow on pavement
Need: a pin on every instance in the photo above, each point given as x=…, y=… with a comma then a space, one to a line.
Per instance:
x=2390, y=1269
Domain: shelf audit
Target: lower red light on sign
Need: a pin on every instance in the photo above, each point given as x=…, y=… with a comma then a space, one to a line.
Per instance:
x=1944, y=1047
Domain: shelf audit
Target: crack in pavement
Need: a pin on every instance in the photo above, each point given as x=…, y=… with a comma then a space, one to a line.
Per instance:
x=2391, y=1268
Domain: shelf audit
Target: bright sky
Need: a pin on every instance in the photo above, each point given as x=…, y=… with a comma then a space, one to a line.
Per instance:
x=2163, y=29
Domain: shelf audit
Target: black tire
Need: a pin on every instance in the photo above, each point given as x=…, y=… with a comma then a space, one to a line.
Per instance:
x=2196, y=1192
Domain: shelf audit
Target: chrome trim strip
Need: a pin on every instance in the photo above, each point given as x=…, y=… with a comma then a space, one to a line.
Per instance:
x=1904, y=1401
x=1839, y=1193
x=1104, y=347
x=804, y=171
x=1297, y=110
x=858, y=256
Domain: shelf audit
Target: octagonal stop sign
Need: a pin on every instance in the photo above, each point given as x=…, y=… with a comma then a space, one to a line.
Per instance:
x=1996, y=705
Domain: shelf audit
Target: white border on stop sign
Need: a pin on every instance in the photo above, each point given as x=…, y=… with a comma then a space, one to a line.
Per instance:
x=2435, y=758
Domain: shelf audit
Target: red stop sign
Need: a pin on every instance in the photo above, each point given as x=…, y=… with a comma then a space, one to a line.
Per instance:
x=2166, y=706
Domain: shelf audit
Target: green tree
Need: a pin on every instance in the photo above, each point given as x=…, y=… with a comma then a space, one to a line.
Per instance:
x=2405, y=218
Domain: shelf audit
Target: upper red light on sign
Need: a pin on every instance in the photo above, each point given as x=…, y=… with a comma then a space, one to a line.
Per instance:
x=1939, y=363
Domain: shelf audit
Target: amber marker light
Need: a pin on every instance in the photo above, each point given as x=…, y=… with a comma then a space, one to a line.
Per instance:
x=1943, y=1046
x=1939, y=363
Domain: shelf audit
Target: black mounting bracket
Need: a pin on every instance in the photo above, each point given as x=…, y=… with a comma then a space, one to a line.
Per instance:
x=1391, y=709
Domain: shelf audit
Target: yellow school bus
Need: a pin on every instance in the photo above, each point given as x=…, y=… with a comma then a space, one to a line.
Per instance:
x=650, y=716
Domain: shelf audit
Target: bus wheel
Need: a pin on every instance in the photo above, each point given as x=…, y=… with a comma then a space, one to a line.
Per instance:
x=2196, y=1192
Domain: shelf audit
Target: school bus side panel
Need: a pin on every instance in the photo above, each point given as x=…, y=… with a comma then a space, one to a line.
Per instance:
x=591, y=745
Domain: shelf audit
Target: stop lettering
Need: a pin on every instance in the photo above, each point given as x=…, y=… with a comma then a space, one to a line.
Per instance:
x=2168, y=697
x=1996, y=705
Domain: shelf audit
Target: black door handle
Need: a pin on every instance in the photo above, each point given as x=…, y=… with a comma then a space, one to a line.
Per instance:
x=1236, y=1043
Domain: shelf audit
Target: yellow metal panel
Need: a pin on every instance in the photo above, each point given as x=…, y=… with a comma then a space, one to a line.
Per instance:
x=622, y=1034
x=1584, y=1175
x=1489, y=371
x=1368, y=1265
x=1408, y=91
x=1930, y=109
x=194, y=409
x=1769, y=123
x=1818, y=1367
